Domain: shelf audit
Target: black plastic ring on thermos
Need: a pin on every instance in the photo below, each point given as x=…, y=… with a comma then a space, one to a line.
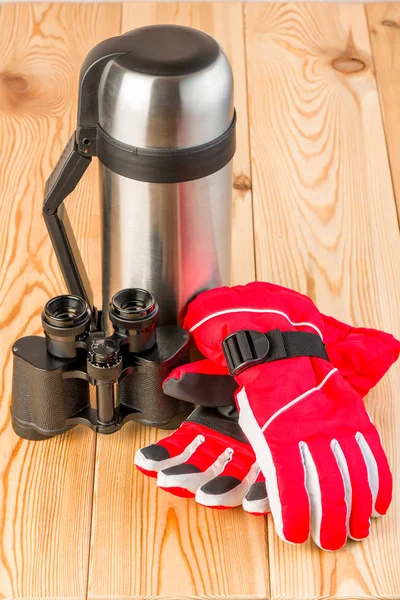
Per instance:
x=166, y=165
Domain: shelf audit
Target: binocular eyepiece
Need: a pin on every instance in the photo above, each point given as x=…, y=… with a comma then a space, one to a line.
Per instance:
x=51, y=375
x=66, y=319
x=135, y=312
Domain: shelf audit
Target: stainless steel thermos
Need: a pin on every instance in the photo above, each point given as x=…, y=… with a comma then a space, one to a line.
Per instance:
x=156, y=108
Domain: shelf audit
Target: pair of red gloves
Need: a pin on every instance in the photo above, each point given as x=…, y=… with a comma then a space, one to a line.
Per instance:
x=303, y=445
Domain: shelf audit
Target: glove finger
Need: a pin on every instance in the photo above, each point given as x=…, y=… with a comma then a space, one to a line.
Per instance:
x=379, y=475
x=170, y=451
x=325, y=482
x=184, y=479
x=288, y=499
x=256, y=500
x=361, y=500
x=229, y=487
x=362, y=355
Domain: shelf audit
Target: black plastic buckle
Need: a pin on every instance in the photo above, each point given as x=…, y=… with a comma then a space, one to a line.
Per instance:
x=245, y=349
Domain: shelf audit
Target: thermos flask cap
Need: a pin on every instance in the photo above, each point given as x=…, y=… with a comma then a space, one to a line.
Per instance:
x=173, y=89
x=168, y=50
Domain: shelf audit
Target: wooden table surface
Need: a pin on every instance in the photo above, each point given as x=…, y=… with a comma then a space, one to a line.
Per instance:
x=316, y=176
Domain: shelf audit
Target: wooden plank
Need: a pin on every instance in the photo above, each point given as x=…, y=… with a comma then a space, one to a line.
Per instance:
x=46, y=487
x=384, y=27
x=157, y=545
x=325, y=224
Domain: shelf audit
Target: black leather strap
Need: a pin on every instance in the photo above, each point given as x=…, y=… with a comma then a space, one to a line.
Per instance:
x=245, y=349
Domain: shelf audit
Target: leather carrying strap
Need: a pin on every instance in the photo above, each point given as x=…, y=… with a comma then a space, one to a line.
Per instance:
x=245, y=349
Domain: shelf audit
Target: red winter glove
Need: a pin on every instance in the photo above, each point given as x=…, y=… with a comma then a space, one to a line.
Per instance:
x=312, y=437
x=208, y=457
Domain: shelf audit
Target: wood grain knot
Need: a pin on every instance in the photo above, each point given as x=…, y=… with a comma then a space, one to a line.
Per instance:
x=242, y=182
x=348, y=64
x=17, y=91
x=391, y=23
x=15, y=82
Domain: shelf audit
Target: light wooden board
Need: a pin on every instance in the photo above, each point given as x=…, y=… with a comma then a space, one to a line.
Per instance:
x=325, y=224
x=159, y=546
x=384, y=27
x=46, y=487
x=167, y=1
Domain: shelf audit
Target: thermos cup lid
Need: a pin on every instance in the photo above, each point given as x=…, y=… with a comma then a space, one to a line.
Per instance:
x=168, y=50
x=173, y=89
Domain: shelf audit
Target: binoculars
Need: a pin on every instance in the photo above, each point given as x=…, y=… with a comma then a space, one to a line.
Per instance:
x=52, y=375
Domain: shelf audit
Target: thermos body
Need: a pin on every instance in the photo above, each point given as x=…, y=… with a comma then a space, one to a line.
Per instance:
x=172, y=238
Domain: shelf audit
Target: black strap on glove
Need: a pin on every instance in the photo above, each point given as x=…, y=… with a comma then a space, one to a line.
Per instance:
x=247, y=348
